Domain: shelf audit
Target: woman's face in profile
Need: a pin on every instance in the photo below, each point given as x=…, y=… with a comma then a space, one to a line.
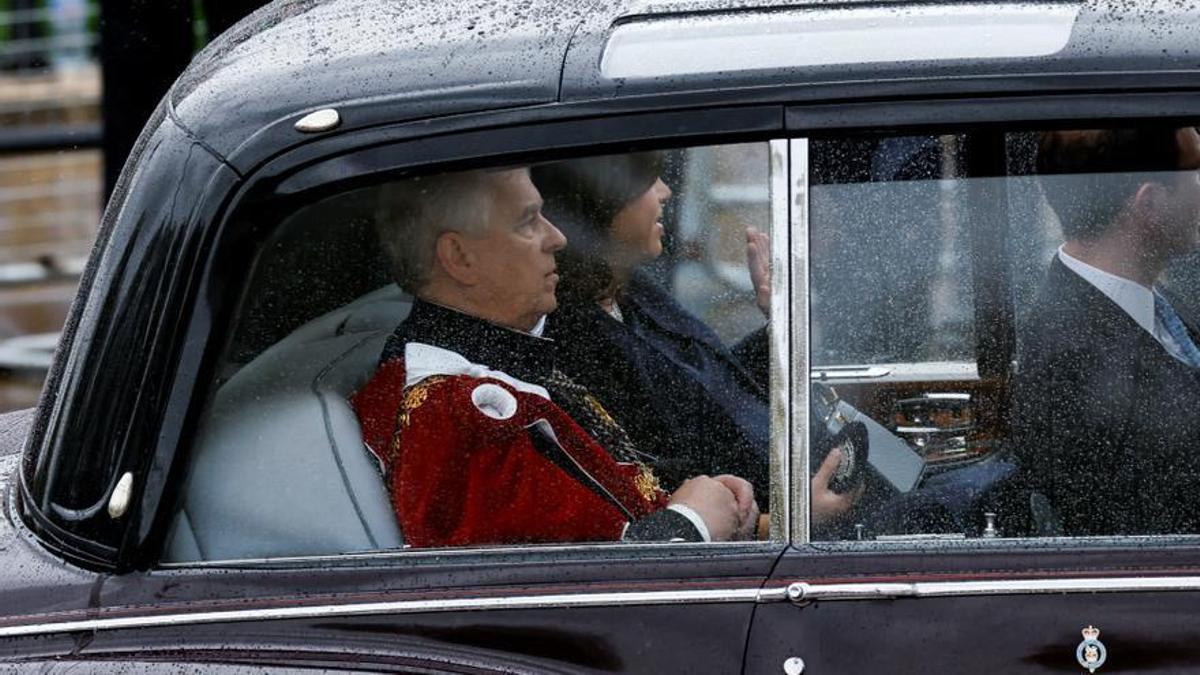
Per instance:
x=636, y=233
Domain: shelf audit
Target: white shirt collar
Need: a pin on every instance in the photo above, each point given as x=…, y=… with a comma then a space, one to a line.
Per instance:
x=1133, y=298
x=539, y=328
x=422, y=361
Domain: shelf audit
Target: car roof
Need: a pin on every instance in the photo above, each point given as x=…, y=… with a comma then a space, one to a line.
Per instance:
x=429, y=58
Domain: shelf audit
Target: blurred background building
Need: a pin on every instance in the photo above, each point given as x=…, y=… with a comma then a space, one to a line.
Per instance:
x=78, y=79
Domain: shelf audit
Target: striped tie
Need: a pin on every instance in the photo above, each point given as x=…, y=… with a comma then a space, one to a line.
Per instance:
x=1166, y=315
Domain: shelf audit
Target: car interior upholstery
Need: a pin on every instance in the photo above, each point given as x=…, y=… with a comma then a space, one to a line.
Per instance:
x=278, y=467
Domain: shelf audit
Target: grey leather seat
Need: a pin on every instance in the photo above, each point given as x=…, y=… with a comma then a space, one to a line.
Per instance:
x=279, y=467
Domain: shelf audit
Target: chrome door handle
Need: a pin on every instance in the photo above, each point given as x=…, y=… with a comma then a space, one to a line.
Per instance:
x=849, y=372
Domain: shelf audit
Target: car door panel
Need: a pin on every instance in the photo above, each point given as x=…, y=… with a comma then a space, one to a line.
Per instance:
x=983, y=633
x=531, y=611
x=698, y=638
x=998, y=608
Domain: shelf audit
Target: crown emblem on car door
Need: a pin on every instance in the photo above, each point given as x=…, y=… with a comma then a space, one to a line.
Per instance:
x=1091, y=653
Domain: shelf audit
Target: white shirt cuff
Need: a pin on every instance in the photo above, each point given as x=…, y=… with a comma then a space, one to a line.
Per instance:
x=691, y=515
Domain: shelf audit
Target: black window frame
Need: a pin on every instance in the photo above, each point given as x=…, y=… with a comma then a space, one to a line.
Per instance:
x=337, y=164
x=989, y=117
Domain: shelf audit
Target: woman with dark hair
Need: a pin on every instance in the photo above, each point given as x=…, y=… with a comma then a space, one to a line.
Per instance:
x=690, y=403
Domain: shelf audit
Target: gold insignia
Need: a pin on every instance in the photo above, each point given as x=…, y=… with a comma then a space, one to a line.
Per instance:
x=599, y=410
x=647, y=483
x=414, y=397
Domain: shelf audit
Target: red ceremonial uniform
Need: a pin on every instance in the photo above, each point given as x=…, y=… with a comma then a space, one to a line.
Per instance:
x=474, y=456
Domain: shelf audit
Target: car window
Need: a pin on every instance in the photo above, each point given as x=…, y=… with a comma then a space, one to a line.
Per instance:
x=1004, y=334
x=894, y=206
x=724, y=190
x=569, y=352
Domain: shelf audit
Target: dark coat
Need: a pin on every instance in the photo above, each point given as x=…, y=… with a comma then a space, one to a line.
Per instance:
x=682, y=395
x=1105, y=420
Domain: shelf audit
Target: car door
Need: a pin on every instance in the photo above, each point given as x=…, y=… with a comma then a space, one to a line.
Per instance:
x=924, y=252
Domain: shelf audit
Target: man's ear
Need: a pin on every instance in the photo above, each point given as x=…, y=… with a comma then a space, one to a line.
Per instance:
x=454, y=254
x=1149, y=199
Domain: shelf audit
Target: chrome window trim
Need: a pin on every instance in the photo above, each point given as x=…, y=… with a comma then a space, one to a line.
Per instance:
x=803, y=592
x=411, y=556
x=517, y=602
x=799, y=592
x=799, y=322
x=654, y=45
x=918, y=544
x=779, y=334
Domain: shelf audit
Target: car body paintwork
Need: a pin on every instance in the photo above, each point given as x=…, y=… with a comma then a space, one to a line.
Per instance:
x=468, y=81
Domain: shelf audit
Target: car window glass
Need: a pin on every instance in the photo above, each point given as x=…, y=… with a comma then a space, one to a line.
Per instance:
x=892, y=205
x=561, y=353
x=724, y=190
x=1017, y=313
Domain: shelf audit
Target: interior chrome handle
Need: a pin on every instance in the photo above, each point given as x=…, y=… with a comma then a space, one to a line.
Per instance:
x=835, y=373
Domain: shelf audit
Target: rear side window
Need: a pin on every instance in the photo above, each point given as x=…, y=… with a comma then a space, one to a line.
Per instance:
x=571, y=352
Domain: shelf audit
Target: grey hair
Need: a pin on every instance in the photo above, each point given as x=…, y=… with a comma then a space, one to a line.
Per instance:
x=411, y=214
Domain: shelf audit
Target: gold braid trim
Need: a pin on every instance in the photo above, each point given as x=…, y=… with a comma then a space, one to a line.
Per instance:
x=414, y=397
x=599, y=409
x=646, y=482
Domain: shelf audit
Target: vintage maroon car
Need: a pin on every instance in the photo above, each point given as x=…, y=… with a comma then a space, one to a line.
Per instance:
x=193, y=487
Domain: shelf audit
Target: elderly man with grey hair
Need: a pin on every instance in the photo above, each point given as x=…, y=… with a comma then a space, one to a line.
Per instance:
x=483, y=439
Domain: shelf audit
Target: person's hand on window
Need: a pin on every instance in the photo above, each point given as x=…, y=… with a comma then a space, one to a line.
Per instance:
x=828, y=505
x=758, y=259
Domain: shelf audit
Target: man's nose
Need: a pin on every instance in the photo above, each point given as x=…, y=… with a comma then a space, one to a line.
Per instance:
x=555, y=239
x=664, y=190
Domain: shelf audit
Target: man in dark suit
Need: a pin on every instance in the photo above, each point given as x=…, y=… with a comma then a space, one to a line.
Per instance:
x=1108, y=385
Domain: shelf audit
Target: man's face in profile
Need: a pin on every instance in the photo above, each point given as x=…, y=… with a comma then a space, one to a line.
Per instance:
x=516, y=269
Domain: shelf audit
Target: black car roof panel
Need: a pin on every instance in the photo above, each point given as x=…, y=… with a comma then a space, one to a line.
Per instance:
x=387, y=61
x=432, y=57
